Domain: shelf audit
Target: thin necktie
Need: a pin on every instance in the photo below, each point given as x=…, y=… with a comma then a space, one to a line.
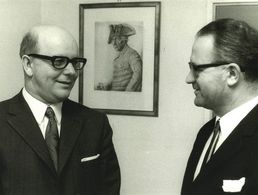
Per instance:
x=51, y=136
x=213, y=143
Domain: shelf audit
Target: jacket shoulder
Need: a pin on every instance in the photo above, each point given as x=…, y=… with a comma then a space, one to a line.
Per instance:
x=79, y=109
x=4, y=105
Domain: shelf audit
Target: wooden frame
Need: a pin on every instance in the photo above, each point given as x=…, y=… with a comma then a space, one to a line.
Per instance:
x=246, y=10
x=96, y=80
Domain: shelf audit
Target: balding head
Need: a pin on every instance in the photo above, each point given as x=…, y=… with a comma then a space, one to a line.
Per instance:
x=41, y=37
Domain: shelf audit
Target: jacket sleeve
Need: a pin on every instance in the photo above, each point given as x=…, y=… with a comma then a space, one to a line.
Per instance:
x=110, y=171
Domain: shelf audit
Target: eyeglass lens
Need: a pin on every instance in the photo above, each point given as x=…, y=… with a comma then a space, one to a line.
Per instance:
x=62, y=62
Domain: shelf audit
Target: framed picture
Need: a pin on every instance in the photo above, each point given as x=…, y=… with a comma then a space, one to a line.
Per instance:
x=121, y=44
x=237, y=9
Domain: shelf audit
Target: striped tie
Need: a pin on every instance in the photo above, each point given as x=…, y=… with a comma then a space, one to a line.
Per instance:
x=51, y=136
x=213, y=143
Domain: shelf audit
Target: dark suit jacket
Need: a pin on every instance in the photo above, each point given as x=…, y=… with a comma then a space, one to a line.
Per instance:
x=25, y=164
x=237, y=157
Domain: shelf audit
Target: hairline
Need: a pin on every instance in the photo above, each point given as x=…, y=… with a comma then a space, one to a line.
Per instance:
x=33, y=36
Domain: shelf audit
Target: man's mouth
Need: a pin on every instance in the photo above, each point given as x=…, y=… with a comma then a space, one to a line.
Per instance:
x=65, y=82
x=196, y=91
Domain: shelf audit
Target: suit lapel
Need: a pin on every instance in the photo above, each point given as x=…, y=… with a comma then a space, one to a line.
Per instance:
x=23, y=122
x=70, y=130
x=199, y=144
x=233, y=143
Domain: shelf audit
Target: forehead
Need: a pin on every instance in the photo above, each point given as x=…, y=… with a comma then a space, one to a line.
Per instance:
x=203, y=51
x=55, y=41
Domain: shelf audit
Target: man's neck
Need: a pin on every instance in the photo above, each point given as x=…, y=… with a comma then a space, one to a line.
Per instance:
x=235, y=102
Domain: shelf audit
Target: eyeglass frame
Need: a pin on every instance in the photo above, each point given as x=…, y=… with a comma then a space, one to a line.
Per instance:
x=52, y=59
x=198, y=67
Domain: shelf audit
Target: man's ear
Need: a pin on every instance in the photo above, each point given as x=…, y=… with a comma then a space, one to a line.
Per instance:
x=234, y=74
x=27, y=65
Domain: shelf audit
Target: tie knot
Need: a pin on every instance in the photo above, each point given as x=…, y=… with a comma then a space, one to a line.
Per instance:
x=50, y=113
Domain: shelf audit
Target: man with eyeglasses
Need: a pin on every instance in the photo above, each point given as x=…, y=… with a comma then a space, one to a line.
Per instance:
x=50, y=145
x=224, y=76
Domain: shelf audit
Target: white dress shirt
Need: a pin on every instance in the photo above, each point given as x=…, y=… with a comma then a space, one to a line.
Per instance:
x=228, y=122
x=39, y=108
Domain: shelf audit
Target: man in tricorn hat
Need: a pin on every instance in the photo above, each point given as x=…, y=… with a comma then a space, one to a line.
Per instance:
x=127, y=73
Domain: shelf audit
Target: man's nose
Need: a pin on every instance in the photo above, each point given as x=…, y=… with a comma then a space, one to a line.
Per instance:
x=190, y=78
x=69, y=69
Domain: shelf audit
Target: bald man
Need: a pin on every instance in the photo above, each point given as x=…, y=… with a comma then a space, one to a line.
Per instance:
x=50, y=145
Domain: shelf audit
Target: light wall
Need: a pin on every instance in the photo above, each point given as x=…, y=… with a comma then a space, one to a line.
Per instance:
x=152, y=151
x=15, y=19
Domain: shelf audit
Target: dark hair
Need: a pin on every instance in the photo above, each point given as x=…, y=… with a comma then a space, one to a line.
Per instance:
x=235, y=41
x=29, y=44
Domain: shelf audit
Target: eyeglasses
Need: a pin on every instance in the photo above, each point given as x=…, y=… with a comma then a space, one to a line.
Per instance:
x=199, y=67
x=60, y=62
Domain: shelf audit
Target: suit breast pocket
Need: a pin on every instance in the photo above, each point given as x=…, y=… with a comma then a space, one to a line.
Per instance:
x=89, y=176
x=91, y=166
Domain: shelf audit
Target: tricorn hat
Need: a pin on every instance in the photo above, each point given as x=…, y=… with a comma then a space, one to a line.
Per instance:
x=118, y=30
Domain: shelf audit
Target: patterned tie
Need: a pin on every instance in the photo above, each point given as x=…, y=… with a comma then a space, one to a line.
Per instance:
x=51, y=136
x=212, y=146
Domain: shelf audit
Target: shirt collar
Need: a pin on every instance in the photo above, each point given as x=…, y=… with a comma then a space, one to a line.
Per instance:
x=229, y=121
x=38, y=108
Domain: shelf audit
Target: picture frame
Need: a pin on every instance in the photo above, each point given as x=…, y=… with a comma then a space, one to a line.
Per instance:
x=121, y=44
x=246, y=10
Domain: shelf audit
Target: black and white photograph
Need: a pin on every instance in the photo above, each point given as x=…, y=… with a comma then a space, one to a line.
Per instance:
x=129, y=97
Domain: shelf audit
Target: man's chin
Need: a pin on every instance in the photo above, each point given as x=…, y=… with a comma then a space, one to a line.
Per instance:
x=202, y=104
x=198, y=103
x=62, y=95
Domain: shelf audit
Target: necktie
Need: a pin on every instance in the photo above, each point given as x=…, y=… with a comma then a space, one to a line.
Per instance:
x=213, y=143
x=51, y=136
